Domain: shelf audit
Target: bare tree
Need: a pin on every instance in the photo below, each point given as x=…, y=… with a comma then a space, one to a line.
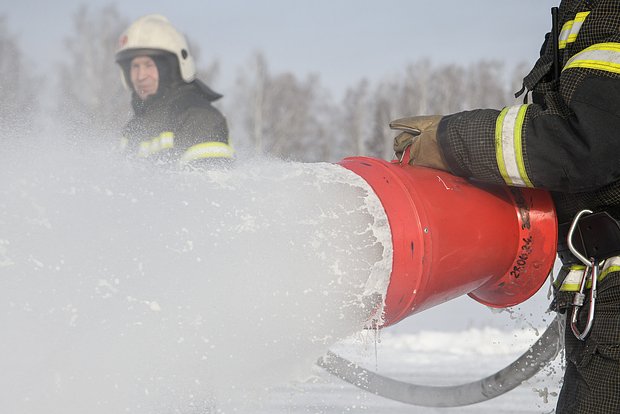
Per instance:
x=449, y=91
x=292, y=115
x=424, y=89
x=280, y=114
x=18, y=87
x=415, y=91
x=385, y=109
x=486, y=86
x=356, y=120
x=92, y=100
x=287, y=117
x=248, y=105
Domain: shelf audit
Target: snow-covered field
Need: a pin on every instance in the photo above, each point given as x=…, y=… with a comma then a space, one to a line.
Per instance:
x=429, y=358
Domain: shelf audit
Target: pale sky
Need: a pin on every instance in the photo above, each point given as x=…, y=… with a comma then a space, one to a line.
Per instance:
x=341, y=40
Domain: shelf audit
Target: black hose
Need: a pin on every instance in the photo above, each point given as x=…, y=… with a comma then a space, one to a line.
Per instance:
x=526, y=366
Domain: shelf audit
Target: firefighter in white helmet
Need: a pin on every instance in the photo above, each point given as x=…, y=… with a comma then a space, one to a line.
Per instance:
x=565, y=140
x=174, y=120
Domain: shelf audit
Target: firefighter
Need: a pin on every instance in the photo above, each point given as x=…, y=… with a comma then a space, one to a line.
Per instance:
x=566, y=140
x=174, y=121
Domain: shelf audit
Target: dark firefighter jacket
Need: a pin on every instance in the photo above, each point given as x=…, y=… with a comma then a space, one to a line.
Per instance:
x=568, y=139
x=178, y=125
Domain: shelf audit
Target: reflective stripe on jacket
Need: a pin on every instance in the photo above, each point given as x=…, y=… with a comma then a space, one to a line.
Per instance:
x=572, y=281
x=566, y=139
x=510, y=124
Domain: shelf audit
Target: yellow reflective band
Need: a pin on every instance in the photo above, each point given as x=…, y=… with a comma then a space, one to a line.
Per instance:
x=166, y=140
x=154, y=146
x=573, y=279
x=518, y=142
x=564, y=33
x=611, y=265
x=571, y=29
x=602, y=56
x=208, y=150
x=499, y=152
x=509, y=146
x=145, y=149
x=579, y=19
x=609, y=270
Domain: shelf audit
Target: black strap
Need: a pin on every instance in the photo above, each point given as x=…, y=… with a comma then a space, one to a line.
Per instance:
x=596, y=236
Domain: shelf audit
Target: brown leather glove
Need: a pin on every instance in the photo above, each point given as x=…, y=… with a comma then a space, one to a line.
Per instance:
x=419, y=132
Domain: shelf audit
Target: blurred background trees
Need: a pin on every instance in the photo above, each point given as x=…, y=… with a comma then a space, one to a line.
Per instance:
x=90, y=96
x=270, y=113
x=19, y=88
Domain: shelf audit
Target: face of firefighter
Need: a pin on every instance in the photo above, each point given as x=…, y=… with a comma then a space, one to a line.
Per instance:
x=144, y=76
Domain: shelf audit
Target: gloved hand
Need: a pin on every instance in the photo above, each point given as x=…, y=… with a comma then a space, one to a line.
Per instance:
x=419, y=132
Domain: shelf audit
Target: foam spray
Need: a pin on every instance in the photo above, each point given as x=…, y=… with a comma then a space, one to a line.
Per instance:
x=128, y=287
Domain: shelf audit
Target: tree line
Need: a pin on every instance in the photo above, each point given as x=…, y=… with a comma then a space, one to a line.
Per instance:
x=275, y=114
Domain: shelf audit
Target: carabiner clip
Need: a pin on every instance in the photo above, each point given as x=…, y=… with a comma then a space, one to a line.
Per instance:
x=592, y=269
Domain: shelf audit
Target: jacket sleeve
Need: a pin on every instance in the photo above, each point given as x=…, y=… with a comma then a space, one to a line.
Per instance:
x=570, y=143
x=203, y=134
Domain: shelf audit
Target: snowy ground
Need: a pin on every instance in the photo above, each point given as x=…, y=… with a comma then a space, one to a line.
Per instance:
x=454, y=343
x=431, y=358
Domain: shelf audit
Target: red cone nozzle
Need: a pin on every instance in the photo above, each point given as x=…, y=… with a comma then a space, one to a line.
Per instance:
x=452, y=237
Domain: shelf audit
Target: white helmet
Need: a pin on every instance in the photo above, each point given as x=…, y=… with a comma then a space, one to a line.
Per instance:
x=151, y=34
